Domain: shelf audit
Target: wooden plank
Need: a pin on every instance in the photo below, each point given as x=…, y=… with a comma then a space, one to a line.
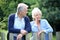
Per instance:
x=2, y=36
x=42, y=36
x=57, y=35
x=50, y=36
x=35, y=37
x=11, y=36
x=28, y=36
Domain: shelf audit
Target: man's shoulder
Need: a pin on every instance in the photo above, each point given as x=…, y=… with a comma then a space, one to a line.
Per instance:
x=27, y=18
x=11, y=15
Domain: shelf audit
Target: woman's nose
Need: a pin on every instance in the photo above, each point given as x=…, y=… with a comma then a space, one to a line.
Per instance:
x=37, y=16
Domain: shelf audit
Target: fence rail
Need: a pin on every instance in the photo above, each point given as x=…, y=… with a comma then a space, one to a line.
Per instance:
x=28, y=36
x=41, y=37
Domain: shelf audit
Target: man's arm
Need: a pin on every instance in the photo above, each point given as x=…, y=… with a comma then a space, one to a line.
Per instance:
x=27, y=25
x=11, y=25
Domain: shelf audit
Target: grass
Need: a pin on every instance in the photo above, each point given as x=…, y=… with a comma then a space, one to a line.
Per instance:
x=54, y=38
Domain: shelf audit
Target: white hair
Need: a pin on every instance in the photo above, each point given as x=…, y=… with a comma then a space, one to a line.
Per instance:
x=21, y=6
x=35, y=10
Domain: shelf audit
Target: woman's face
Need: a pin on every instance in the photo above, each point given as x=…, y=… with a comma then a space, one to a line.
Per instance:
x=37, y=16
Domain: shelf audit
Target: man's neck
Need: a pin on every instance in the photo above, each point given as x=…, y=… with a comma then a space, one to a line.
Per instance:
x=20, y=16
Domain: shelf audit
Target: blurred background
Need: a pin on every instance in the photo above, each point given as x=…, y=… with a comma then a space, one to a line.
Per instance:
x=50, y=10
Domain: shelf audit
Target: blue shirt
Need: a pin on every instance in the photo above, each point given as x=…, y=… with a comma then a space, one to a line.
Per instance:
x=44, y=25
x=19, y=23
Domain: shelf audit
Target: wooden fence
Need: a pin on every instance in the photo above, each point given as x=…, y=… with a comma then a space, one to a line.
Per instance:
x=28, y=36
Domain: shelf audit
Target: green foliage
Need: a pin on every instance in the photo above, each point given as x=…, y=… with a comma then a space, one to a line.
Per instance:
x=50, y=10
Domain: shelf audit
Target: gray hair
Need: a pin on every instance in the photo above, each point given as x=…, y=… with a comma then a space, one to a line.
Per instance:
x=21, y=6
x=36, y=10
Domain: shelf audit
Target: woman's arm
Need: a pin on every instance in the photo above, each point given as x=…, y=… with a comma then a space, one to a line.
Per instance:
x=47, y=28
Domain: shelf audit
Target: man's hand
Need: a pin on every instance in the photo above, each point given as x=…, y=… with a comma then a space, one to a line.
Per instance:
x=19, y=36
x=23, y=32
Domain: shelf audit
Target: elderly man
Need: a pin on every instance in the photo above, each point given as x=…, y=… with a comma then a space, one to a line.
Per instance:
x=19, y=23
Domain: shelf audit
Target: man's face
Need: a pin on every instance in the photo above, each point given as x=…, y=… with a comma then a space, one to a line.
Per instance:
x=24, y=12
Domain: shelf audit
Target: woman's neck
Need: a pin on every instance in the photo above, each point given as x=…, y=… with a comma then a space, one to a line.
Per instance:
x=37, y=22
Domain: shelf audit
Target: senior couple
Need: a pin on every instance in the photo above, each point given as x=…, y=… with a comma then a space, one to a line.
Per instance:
x=20, y=24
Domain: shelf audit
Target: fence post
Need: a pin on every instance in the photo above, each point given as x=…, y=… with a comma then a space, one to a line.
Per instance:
x=50, y=36
x=35, y=37
x=10, y=36
x=28, y=36
x=57, y=35
x=42, y=36
x=2, y=36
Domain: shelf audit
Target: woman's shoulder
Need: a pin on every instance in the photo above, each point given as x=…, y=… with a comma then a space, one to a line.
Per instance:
x=44, y=20
x=32, y=22
x=40, y=20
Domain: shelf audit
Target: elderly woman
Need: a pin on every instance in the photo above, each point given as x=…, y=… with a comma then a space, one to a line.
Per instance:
x=19, y=23
x=40, y=25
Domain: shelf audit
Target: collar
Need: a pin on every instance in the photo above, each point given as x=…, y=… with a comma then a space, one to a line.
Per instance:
x=16, y=15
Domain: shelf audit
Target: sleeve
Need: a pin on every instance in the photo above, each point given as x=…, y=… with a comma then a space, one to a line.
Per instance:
x=11, y=25
x=48, y=28
x=27, y=25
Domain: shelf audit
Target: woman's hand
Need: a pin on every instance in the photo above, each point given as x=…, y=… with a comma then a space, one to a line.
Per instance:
x=40, y=32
